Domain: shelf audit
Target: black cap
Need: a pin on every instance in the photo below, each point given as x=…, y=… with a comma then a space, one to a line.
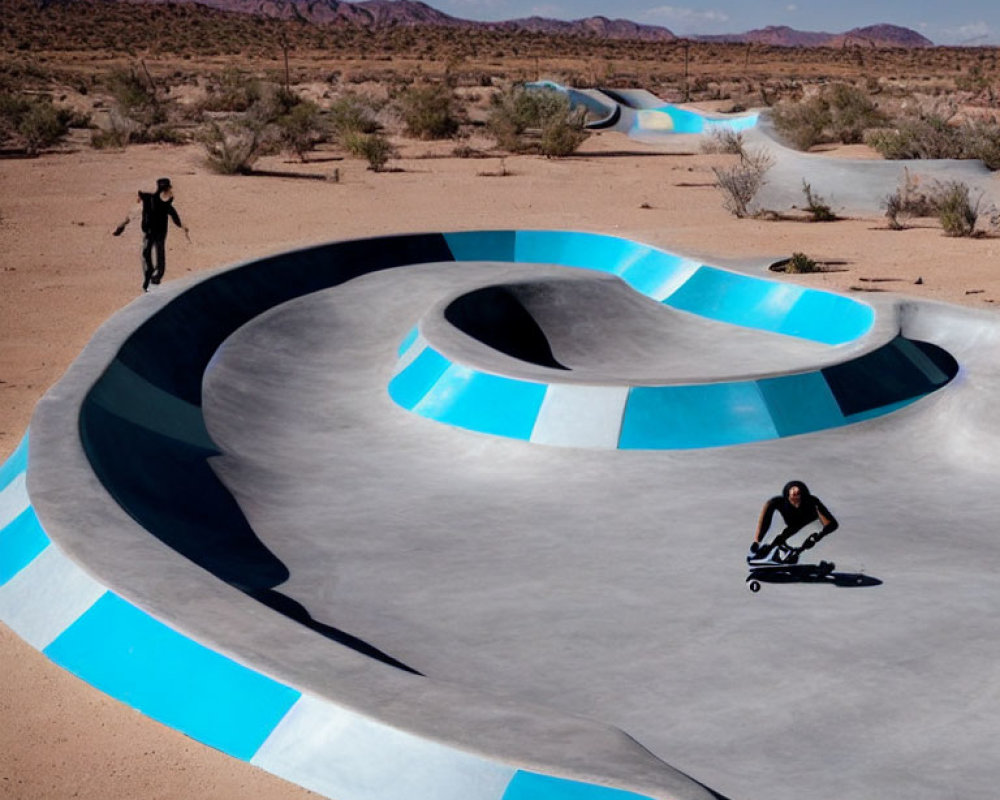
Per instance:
x=162, y=184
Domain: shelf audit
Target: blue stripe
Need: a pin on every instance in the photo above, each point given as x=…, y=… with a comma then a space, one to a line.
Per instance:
x=411, y=385
x=127, y=654
x=481, y=245
x=533, y=786
x=585, y=250
x=408, y=340
x=685, y=417
x=800, y=403
x=482, y=402
x=20, y=543
x=15, y=465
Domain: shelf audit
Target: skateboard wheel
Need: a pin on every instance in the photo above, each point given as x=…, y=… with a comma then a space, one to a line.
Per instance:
x=754, y=586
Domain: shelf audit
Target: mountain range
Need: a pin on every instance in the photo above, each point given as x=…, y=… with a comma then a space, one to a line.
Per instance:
x=413, y=13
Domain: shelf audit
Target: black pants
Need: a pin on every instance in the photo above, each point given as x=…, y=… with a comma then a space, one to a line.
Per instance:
x=153, y=273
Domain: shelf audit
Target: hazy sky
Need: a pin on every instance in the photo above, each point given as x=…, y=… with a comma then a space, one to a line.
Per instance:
x=943, y=22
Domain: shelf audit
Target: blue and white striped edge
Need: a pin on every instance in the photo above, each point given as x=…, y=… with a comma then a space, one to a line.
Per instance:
x=58, y=608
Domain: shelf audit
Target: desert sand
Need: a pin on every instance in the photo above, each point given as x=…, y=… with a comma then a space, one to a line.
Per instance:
x=62, y=274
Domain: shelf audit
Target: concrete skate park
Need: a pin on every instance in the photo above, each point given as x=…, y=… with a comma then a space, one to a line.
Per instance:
x=465, y=516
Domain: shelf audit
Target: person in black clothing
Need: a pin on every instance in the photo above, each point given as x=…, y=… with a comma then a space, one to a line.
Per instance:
x=798, y=508
x=156, y=209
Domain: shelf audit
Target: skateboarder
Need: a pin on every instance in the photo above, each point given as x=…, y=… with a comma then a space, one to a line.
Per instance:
x=798, y=507
x=156, y=208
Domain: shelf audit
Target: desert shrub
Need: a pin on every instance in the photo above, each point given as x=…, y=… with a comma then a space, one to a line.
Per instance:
x=428, y=112
x=234, y=90
x=852, y=112
x=981, y=139
x=800, y=264
x=136, y=98
x=562, y=135
x=817, y=207
x=802, y=123
x=839, y=113
x=928, y=136
x=375, y=148
x=300, y=128
x=352, y=114
x=33, y=121
x=234, y=147
x=908, y=200
x=537, y=120
x=740, y=183
x=957, y=210
x=720, y=139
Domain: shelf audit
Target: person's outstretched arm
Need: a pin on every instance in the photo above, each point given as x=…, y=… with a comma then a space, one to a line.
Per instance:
x=128, y=218
x=764, y=522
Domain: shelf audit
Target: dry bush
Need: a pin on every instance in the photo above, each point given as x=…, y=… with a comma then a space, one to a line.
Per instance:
x=233, y=147
x=720, y=139
x=740, y=183
x=909, y=200
x=957, y=210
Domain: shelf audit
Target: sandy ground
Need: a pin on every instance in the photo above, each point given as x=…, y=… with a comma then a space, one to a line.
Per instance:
x=62, y=274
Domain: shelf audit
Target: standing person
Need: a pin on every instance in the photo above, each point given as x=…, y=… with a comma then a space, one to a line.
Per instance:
x=156, y=208
x=798, y=508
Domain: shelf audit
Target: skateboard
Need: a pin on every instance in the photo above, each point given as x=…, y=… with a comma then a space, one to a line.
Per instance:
x=779, y=573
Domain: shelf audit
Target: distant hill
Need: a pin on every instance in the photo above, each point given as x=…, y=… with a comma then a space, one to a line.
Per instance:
x=870, y=36
x=380, y=14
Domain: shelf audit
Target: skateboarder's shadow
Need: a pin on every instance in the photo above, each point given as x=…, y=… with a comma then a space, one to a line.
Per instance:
x=801, y=573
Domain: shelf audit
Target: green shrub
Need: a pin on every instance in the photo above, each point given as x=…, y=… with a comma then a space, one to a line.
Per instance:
x=917, y=137
x=536, y=120
x=802, y=123
x=234, y=90
x=800, y=264
x=300, y=128
x=34, y=121
x=957, y=210
x=352, y=114
x=852, y=112
x=428, y=112
x=375, y=148
x=840, y=113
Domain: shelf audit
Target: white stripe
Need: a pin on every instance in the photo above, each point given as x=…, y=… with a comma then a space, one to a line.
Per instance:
x=14, y=501
x=341, y=754
x=417, y=346
x=673, y=280
x=580, y=416
x=46, y=597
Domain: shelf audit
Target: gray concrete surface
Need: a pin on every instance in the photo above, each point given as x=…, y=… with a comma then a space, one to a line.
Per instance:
x=558, y=584
x=855, y=186
x=611, y=584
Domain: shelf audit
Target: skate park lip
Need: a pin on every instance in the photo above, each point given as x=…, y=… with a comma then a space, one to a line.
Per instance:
x=129, y=402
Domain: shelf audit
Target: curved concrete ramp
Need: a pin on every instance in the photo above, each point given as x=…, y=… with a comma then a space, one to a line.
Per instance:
x=642, y=115
x=255, y=545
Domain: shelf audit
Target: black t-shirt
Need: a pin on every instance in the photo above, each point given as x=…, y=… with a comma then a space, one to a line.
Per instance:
x=795, y=518
x=155, y=212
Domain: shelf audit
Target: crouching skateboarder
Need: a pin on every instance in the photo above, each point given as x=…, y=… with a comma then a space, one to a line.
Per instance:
x=798, y=508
